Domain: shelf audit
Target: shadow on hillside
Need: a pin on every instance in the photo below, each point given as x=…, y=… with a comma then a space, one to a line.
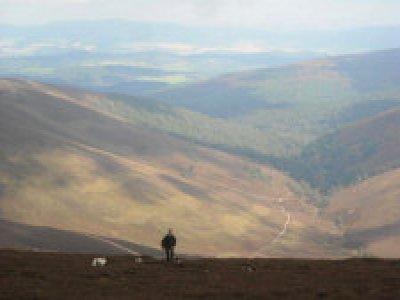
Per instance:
x=29, y=237
x=360, y=238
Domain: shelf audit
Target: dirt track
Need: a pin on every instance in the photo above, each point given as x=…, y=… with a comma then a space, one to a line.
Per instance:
x=29, y=275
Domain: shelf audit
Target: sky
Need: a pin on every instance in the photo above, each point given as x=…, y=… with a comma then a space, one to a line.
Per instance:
x=266, y=14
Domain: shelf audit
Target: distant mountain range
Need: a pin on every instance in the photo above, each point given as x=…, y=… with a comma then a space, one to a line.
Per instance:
x=332, y=82
x=117, y=34
x=134, y=58
x=139, y=58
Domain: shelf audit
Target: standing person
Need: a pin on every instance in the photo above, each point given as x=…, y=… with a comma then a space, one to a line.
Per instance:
x=168, y=244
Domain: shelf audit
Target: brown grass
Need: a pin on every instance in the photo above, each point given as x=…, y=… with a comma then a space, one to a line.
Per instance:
x=28, y=275
x=369, y=213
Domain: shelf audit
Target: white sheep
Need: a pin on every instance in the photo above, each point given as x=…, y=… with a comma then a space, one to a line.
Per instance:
x=99, y=262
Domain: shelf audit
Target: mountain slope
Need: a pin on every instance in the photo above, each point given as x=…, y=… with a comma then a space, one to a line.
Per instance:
x=358, y=151
x=369, y=213
x=21, y=236
x=298, y=103
x=318, y=81
x=195, y=127
x=68, y=165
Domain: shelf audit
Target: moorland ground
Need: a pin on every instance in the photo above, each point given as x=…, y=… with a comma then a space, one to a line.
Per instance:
x=41, y=275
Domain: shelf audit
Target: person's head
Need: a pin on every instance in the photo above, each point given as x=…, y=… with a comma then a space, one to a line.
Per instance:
x=170, y=231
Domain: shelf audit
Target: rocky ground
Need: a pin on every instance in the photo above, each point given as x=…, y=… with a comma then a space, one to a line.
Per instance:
x=40, y=275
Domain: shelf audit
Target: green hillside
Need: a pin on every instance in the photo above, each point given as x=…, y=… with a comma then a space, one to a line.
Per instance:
x=195, y=127
x=296, y=104
x=358, y=151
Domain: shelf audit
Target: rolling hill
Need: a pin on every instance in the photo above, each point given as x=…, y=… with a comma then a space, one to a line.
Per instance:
x=323, y=81
x=355, y=152
x=178, y=121
x=301, y=102
x=261, y=114
x=369, y=213
x=41, y=238
x=361, y=162
x=69, y=165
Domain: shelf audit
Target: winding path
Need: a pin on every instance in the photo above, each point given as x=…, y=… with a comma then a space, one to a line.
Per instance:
x=259, y=251
x=284, y=229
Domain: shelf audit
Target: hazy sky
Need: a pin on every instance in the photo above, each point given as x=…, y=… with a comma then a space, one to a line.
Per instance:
x=272, y=14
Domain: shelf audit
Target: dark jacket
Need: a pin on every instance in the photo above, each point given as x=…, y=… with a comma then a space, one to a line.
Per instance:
x=168, y=241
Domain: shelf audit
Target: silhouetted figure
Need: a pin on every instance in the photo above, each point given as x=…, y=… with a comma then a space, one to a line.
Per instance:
x=168, y=244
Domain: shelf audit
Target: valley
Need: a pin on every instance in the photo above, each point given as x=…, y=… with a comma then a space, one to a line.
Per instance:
x=353, y=153
x=295, y=104
x=257, y=163
x=70, y=166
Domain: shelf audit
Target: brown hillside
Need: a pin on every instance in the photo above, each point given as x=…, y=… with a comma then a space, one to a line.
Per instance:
x=69, y=166
x=40, y=238
x=369, y=212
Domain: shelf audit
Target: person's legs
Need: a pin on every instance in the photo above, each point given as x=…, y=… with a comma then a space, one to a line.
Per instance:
x=168, y=254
